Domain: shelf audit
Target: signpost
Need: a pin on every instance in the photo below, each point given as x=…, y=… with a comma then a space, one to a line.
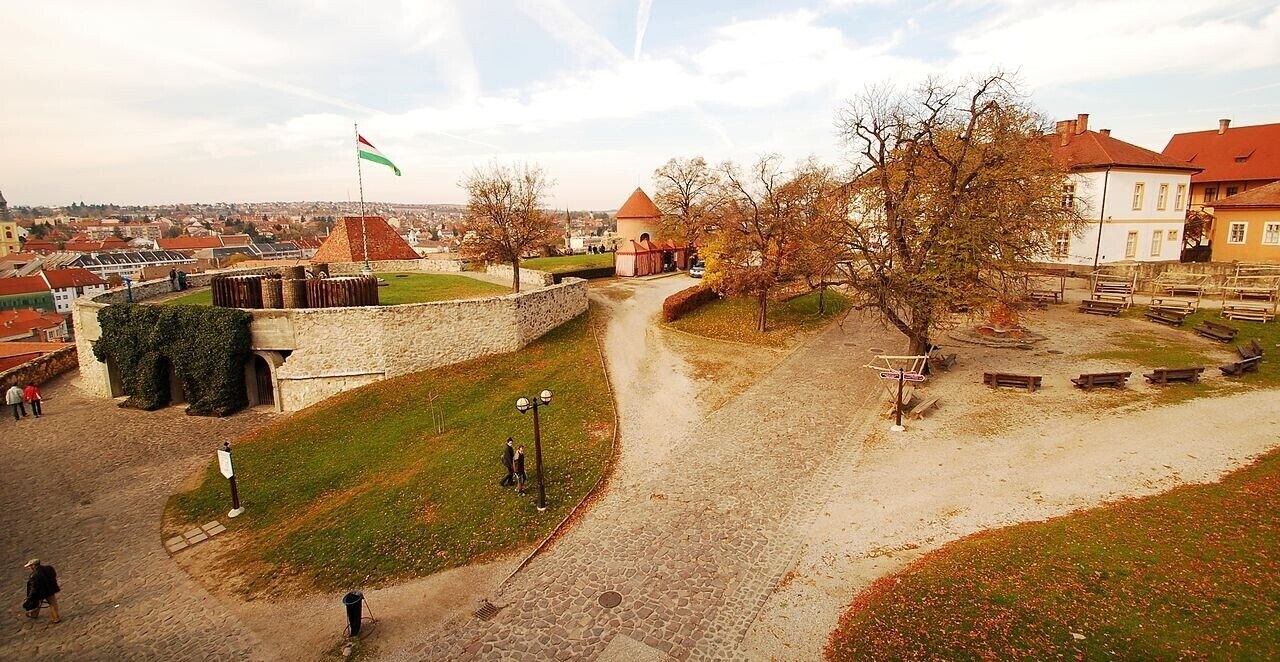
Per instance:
x=902, y=376
x=224, y=465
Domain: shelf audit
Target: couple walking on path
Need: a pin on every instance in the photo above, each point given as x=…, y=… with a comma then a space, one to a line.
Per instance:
x=42, y=588
x=20, y=398
x=513, y=460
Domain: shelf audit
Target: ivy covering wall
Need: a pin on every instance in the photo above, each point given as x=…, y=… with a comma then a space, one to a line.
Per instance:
x=205, y=347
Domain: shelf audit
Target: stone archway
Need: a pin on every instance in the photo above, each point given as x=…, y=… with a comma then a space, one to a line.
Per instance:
x=261, y=382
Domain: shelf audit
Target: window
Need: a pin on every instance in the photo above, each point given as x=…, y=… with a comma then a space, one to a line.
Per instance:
x=1138, y=190
x=1062, y=245
x=1068, y=196
x=1157, y=243
x=1173, y=235
x=1271, y=233
x=1162, y=198
x=1232, y=190
x=1210, y=194
x=1236, y=233
x=1131, y=245
x=1179, y=197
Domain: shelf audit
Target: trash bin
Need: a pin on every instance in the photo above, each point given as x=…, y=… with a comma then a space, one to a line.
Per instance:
x=354, y=602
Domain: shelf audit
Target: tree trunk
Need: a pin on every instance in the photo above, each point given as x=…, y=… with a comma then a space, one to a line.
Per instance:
x=762, y=312
x=919, y=342
x=515, y=274
x=822, y=304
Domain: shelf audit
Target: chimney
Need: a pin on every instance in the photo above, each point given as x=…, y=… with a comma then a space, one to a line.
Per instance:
x=1105, y=132
x=1082, y=123
x=1064, y=129
x=1222, y=126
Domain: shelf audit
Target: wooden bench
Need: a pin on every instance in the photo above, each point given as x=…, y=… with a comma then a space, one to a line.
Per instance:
x=1218, y=332
x=1252, y=350
x=1240, y=367
x=999, y=379
x=917, y=412
x=1169, y=317
x=1045, y=296
x=1095, y=307
x=1252, y=312
x=939, y=360
x=1175, y=304
x=1090, y=381
x=909, y=400
x=1163, y=376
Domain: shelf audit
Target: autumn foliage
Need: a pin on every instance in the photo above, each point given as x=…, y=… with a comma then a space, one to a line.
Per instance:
x=686, y=301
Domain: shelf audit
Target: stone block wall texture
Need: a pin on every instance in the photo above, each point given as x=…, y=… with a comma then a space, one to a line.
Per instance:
x=528, y=277
x=41, y=370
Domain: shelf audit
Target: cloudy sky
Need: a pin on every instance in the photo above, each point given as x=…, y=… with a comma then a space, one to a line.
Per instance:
x=170, y=101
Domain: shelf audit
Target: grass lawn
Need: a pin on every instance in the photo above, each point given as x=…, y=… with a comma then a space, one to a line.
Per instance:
x=735, y=318
x=565, y=263
x=362, y=489
x=1191, y=573
x=202, y=297
x=400, y=288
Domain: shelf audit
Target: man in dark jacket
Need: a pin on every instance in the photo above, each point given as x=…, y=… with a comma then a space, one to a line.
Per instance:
x=42, y=586
x=508, y=461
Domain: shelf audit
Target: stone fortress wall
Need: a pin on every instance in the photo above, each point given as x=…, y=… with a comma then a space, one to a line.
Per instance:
x=314, y=354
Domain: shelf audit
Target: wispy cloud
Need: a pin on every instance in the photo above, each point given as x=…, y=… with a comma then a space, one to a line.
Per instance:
x=642, y=25
x=557, y=20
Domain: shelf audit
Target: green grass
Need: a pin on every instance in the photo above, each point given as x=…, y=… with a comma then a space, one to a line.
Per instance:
x=400, y=288
x=565, y=263
x=1191, y=573
x=361, y=489
x=734, y=318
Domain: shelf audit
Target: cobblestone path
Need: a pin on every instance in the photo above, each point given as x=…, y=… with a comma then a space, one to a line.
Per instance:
x=84, y=489
x=697, y=537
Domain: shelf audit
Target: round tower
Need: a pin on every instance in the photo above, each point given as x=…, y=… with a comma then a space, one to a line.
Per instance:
x=639, y=219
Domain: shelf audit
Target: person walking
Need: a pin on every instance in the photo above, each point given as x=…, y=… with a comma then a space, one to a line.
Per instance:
x=13, y=398
x=31, y=395
x=508, y=461
x=519, y=466
x=173, y=280
x=42, y=586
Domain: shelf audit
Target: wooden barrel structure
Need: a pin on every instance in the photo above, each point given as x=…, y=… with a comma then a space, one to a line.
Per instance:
x=272, y=295
x=237, y=291
x=293, y=292
x=342, y=291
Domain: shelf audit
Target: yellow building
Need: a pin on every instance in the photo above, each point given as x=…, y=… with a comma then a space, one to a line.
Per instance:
x=1246, y=226
x=8, y=238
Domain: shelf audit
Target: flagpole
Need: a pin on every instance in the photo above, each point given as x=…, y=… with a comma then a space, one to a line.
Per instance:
x=364, y=237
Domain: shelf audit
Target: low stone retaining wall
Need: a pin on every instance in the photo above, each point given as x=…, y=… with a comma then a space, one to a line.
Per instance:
x=423, y=265
x=41, y=370
x=528, y=277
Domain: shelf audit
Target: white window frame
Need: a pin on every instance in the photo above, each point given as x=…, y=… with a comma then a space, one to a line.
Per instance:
x=1244, y=232
x=1139, y=195
x=1061, y=245
x=1131, y=245
x=1157, y=243
x=1271, y=233
x=1173, y=235
x=1162, y=197
x=1180, y=197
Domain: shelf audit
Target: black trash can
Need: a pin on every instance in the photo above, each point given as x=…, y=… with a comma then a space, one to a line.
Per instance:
x=354, y=602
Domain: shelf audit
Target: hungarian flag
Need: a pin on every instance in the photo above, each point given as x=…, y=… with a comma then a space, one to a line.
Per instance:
x=368, y=152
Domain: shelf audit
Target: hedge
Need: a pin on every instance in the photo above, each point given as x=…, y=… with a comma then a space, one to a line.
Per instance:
x=686, y=301
x=593, y=272
x=206, y=348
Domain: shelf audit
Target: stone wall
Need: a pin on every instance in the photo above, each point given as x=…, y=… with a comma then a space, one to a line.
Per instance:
x=154, y=288
x=423, y=265
x=41, y=370
x=528, y=277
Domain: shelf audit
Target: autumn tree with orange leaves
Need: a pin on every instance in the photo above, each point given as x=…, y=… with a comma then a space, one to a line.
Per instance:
x=506, y=216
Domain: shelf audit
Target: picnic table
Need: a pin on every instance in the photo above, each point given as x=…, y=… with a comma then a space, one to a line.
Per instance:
x=1254, y=311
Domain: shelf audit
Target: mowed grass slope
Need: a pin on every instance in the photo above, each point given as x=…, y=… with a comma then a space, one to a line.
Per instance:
x=362, y=489
x=1191, y=573
x=202, y=297
x=734, y=318
x=565, y=263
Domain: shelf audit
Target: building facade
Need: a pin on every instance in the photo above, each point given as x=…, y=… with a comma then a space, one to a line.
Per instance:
x=1246, y=226
x=69, y=284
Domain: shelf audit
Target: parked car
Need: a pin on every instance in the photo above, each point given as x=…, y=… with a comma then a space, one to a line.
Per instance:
x=698, y=269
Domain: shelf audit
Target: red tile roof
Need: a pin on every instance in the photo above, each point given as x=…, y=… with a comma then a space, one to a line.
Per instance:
x=25, y=319
x=639, y=206
x=236, y=240
x=1092, y=150
x=22, y=285
x=15, y=353
x=188, y=243
x=71, y=277
x=1220, y=153
x=1262, y=197
x=36, y=245
x=346, y=244
x=114, y=242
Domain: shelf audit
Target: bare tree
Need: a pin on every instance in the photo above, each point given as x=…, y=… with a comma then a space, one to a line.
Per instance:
x=955, y=187
x=505, y=216
x=689, y=193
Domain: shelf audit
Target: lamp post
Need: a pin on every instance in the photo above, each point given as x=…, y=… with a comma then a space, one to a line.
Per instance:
x=524, y=405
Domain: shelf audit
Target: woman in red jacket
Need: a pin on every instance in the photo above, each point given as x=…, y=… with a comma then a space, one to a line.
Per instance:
x=32, y=396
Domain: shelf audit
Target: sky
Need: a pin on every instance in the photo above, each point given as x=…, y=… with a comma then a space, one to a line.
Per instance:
x=226, y=101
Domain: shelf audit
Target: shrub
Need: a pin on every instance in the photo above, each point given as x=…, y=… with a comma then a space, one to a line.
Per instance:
x=686, y=301
x=593, y=272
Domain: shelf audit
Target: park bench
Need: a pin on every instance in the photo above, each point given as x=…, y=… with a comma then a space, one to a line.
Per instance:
x=1252, y=312
x=1045, y=296
x=918, y=411
x=1169, y=317
x=1163, y=376
x=1240, y=367
x=1090, y=381
x=1218, y=332
x=1175, y=304
x=939, y=360
x=1253, y=349
x=1095, y=307
x=999, y=379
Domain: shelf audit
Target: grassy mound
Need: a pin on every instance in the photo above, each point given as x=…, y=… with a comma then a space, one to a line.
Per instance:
x=1194, y=572
x=563, y=263
x=735, y=318
x=362, y=488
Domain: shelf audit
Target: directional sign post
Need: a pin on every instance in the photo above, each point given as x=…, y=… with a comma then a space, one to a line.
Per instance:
x=224, y=466
x=901, y=376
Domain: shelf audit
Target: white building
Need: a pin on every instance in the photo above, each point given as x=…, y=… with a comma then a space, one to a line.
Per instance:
x=71, y=283
x=1135, y=199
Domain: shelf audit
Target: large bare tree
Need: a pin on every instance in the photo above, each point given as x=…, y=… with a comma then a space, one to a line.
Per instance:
x=954, y=189
x=506, y=217
x=689, y=193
